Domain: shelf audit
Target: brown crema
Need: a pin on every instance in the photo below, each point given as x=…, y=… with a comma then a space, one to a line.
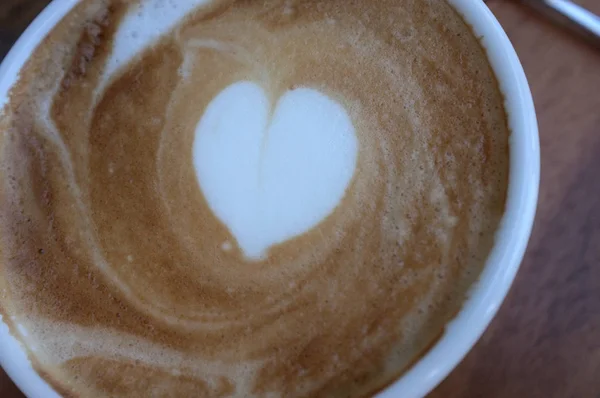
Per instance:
x=115, y=265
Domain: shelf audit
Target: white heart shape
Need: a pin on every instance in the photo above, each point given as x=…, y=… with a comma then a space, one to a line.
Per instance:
x=270, y=178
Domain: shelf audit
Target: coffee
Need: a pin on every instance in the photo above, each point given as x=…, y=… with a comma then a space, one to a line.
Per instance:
x=246, y=198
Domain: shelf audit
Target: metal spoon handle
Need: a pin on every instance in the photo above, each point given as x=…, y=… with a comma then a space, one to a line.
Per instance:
x=571, y=16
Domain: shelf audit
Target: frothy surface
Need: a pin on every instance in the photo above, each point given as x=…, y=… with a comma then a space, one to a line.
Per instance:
x=129, y=266
x=271, y=173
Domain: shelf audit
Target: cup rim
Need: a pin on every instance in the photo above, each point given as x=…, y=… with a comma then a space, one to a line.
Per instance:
x=485, y=296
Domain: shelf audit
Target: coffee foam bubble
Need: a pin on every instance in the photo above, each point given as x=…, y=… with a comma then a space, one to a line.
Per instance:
x=111, y=237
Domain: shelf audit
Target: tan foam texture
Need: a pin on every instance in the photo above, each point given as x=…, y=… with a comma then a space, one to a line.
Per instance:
x=114, y=264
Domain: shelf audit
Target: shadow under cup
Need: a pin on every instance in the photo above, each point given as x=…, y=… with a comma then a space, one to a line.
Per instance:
x=503, y=262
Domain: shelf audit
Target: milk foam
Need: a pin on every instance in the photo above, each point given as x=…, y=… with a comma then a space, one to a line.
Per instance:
x=272, y=174
x=271, y=213
x=146, y=23
x=155, y=180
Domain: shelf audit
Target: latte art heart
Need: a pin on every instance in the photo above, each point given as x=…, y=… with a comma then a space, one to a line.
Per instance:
x=271, y=173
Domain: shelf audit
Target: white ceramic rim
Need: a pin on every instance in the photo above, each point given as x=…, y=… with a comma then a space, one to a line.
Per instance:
x=487, y=294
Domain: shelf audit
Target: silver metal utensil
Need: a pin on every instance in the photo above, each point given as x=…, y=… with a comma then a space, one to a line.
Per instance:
x=571, y=16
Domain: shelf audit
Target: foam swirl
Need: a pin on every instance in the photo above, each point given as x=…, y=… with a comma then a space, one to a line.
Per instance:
x=108, y=238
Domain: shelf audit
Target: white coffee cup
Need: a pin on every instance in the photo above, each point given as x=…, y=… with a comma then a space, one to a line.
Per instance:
x=503, y=262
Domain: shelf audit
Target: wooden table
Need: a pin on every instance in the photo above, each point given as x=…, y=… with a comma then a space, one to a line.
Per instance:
x=545, y=341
